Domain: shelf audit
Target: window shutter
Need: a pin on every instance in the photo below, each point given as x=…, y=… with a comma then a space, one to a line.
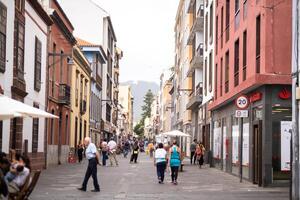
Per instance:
x=3, y=21
x=38, y=63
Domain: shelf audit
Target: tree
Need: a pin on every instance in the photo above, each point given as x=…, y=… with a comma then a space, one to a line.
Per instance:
x=146, y=108
x=139, y=129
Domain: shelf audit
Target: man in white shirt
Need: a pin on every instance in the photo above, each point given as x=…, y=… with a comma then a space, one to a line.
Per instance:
x=112, y=149
x=92, y=156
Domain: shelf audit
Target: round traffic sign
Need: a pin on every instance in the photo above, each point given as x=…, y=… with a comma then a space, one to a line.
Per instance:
x=242, y=102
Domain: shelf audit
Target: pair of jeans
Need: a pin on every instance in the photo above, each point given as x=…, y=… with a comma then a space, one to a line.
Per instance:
x=91, y=171
x=174, y=173
x=193, y=157
x=160, y=169
x=104, y=158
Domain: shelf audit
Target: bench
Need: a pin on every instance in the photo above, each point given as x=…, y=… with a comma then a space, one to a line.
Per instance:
x=27, y=188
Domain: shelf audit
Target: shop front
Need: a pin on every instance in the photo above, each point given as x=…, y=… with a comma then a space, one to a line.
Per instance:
x=266, y=136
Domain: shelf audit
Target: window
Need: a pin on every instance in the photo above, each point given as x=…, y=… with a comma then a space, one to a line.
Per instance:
x=108, y=113
x=210, y=72
x=205, y=76
x=19, y=5
x=222, y=28
x=19, y=46
x=1, y=134
x=53, y=69
x=76, y=89
x=52, y=129
x=244, y=55
x=216, y=82
x=227, y=72
x=35, y=132
x=206, y=30
x=61, y=67
x=76, y=130
x=37, y=64
x=217, y=34
x=237, y=6
x=67, y=130
x=227, y=19
x=221, y=77
x=193, y=83
x=258, y=44
x=3, y=21
x=236, y=62
x=211, y=24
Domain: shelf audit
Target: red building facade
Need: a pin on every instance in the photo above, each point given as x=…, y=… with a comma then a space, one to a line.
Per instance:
x=252, y=58
x=61, y=42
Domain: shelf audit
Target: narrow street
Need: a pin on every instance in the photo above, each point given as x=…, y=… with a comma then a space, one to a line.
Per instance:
x=138, y=181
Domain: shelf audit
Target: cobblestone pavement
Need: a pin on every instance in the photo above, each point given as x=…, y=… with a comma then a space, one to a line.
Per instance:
x=138, y=181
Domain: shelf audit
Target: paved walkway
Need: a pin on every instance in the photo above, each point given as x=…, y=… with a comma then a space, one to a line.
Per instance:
x=138, y=181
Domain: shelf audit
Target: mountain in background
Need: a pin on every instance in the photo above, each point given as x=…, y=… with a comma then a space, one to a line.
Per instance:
x=139, y=89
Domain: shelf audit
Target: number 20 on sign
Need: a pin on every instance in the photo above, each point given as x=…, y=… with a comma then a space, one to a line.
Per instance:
x=242, y=102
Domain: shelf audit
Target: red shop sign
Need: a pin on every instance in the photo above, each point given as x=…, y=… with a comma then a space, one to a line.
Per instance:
x=256, y=96
x=284, y=94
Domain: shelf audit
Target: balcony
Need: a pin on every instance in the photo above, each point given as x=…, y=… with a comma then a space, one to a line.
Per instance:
x=82, y=107
x=197, y=60
x=196, y=98
x=64, y=94
x=198, y=23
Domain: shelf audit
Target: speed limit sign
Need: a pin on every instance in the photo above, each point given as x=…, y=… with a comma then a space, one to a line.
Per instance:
x=242, y=102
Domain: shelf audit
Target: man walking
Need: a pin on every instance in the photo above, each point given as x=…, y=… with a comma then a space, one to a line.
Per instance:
x=112, y=149
x=193, y=150
x=92, y=156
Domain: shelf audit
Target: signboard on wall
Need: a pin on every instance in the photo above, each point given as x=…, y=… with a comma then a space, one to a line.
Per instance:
x=246, y=144
x=235, y=144
x=217, y=143
x=286, y=129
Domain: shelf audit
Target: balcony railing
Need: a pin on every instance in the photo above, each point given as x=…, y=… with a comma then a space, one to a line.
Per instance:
x=196, y=97
x=64, y=94
x=197, y=60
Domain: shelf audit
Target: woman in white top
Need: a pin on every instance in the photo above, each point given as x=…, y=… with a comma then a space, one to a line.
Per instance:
x=161, y=162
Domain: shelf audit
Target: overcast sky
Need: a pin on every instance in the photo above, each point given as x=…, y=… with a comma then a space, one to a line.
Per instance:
x=145, y=32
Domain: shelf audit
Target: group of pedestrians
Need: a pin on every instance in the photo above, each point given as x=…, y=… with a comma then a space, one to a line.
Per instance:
x=197, y=153
x=13, y=172
x=163, y=158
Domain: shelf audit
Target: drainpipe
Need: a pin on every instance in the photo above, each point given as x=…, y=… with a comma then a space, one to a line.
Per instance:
x=295, y=108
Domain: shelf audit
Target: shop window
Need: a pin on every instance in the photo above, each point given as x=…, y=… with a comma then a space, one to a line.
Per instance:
x=281, y=140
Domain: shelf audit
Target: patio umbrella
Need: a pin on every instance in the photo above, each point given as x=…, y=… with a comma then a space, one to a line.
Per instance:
x=10, y=108
x=176, y=133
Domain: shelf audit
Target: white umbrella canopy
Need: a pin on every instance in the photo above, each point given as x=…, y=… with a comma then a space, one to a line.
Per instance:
x=10, y=108
x=176, y=133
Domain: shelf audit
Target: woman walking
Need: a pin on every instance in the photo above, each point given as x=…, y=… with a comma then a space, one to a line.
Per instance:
x=175, y=161
x=201, y=157
x=160, y=161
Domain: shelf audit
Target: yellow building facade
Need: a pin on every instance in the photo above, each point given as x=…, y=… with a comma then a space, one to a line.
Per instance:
x=80, y=98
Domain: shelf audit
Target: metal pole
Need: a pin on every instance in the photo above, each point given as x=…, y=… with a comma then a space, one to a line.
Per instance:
x=295, y=131
x=241, y=150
